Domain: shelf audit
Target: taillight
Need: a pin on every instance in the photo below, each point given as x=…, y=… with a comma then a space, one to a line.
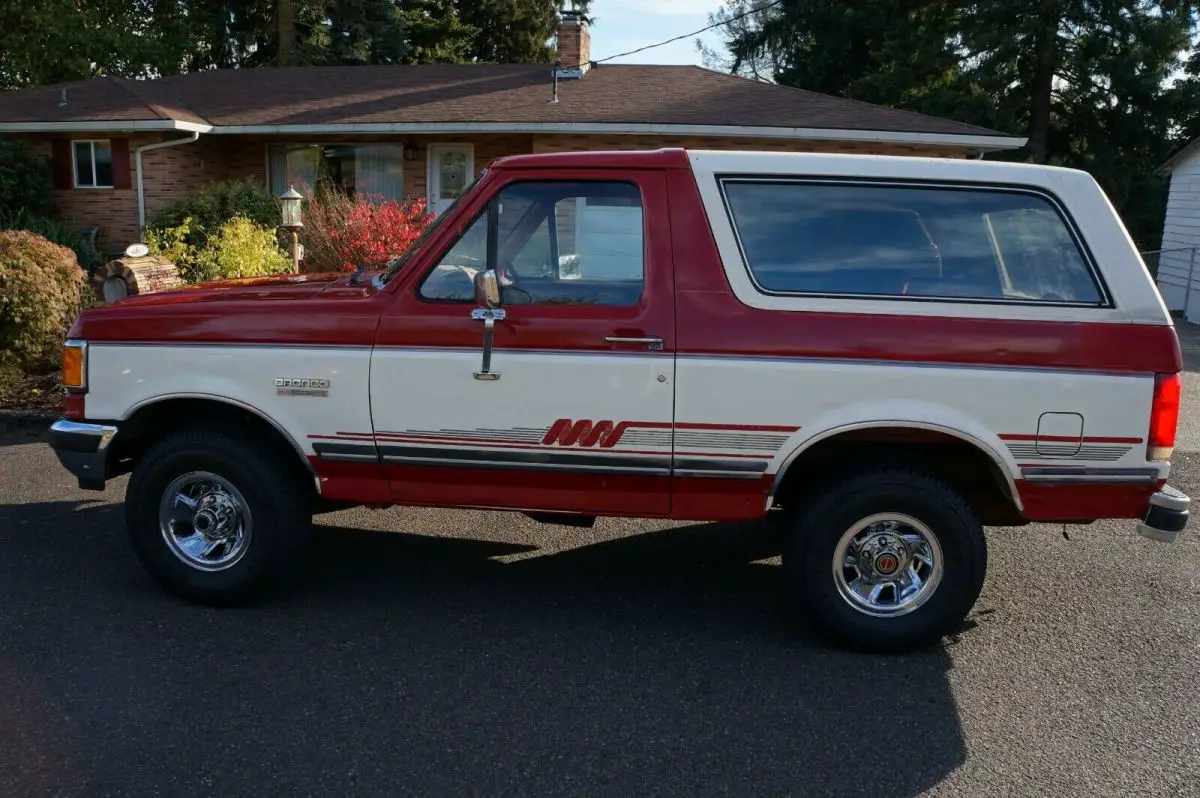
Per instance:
x=1164, y=417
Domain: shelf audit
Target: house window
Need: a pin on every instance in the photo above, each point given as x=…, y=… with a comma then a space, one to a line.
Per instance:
x=93, y=164
x=908, y=242
x=374, y=170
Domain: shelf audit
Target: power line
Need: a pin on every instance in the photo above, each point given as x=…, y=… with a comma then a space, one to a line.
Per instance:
x=734, y=18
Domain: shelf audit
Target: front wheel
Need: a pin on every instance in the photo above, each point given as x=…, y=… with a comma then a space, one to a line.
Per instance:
x=214, y=518
x=886, y=560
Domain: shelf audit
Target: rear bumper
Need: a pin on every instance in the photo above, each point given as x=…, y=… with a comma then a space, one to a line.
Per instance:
x=1167, y=516
x=83, y=450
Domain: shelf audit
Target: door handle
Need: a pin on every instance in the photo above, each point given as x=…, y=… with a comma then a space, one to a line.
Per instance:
x=651, y=342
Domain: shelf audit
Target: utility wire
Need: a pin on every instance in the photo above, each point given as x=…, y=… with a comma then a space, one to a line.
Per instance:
x=693, y=33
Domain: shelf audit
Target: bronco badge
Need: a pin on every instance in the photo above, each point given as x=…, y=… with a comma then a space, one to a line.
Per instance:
x=298, y=386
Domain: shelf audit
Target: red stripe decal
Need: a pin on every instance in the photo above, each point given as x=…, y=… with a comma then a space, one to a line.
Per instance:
x=1067, y=439
x=737, y=427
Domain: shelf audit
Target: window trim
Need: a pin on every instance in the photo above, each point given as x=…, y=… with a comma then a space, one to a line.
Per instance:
x=484, y=212
x=1106, y=298
x=75, y=163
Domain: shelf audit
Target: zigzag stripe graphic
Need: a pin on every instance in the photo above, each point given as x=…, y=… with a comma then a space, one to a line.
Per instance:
x=564, y=432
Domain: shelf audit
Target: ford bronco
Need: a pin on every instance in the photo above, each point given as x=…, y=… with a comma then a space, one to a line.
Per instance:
x=884, y=353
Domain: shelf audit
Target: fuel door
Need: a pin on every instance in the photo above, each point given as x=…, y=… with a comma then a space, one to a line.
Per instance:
x=1059, y=434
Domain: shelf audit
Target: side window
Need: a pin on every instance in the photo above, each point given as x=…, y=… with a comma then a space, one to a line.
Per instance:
x=558, y=243
x=904, y=241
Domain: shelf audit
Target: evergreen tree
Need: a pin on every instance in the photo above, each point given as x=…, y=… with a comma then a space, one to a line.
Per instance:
x=1092, y=83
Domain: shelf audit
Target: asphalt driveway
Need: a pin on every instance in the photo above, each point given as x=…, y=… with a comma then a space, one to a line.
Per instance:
x=453, y=653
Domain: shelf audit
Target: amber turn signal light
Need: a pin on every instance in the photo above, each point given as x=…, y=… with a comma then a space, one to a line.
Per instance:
x=74, y=365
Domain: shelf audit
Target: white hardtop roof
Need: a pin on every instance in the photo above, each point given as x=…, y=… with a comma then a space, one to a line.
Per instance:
x=865, y=166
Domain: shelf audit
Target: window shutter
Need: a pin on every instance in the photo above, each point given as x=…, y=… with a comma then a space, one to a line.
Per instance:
x=120, y=163
x=61, y=157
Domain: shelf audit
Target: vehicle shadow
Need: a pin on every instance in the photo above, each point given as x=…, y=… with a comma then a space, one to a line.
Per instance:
x=663, y=663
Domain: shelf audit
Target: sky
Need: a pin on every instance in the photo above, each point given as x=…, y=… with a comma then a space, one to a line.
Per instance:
x=622, y=25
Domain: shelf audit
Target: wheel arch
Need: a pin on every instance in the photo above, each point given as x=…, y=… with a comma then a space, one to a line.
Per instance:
x=914, y=434
x=203, y=406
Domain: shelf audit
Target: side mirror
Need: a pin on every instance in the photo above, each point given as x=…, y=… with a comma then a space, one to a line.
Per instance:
x=487, y=289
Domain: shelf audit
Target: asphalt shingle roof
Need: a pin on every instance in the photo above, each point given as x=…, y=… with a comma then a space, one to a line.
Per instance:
x=495, y=93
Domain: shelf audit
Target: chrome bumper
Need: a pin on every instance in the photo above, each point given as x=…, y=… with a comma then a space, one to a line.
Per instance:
x=1167, y=516
x=83, y=450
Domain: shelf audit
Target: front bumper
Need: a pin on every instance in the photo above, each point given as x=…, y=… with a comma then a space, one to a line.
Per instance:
x=1167, y=516
x=83, y=450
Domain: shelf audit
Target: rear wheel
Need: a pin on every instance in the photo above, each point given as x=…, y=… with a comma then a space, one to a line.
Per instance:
x=215, y=518
x=886, y=560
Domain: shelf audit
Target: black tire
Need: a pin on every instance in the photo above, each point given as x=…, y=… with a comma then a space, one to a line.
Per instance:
x=273, y=489
x=814, y=535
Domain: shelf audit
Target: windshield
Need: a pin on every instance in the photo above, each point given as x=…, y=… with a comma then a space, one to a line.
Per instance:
x=400, y=262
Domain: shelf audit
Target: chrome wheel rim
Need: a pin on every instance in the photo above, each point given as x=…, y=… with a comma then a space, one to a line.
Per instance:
x=205, y=521
x=887, y=565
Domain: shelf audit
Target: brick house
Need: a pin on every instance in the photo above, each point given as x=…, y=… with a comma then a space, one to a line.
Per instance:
x=121, y=148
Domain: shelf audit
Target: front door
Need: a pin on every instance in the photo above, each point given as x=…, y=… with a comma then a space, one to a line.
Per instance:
x=451, y=170
x=575, y=410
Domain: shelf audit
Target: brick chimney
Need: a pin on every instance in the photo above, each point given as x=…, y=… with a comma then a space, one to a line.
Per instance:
x=574, y=45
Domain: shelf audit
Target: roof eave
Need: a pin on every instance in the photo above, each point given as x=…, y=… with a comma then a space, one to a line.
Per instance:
x=1168, y=166
x=972, y=142
x=976, y=142
x=103, y=125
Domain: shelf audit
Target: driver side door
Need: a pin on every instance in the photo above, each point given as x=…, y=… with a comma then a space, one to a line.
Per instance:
x=573, y=411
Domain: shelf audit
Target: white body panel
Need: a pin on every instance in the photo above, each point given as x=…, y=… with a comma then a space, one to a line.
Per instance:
x=424, y=390
x=978, y=405
x=427, y=405
x=124, y=378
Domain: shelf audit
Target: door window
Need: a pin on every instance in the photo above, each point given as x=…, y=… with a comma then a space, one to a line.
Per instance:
x=561, y=243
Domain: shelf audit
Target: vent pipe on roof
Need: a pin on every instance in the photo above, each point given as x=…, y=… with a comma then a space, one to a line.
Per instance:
x=554, y=76
x=63, y=102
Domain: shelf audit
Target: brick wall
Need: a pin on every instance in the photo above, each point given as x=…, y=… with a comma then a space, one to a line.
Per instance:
x=168, y=174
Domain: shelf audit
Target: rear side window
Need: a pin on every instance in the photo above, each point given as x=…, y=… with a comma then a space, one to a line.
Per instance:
x=983, y=245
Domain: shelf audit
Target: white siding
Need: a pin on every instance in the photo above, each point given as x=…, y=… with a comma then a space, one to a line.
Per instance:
x=1181, y=233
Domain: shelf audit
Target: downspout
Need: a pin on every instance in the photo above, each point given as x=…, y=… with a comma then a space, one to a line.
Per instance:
x=141, y=189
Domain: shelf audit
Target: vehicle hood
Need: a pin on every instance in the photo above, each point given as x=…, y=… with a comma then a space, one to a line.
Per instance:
x=321, y=309
x=278, y=287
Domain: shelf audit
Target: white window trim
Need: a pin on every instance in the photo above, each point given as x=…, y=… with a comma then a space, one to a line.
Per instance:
x=75, y=163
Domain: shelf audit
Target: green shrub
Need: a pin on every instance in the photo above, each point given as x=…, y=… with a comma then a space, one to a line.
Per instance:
x=24, y=181
x=214, y=205
x=41, y=293
x=239, y=248
x=174, y=244
x=242, y=248
x=56, y=232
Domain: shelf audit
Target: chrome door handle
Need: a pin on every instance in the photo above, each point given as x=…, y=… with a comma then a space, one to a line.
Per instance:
x=651, y=342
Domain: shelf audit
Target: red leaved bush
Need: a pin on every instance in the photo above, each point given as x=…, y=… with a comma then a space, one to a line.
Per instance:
x=343, y=233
